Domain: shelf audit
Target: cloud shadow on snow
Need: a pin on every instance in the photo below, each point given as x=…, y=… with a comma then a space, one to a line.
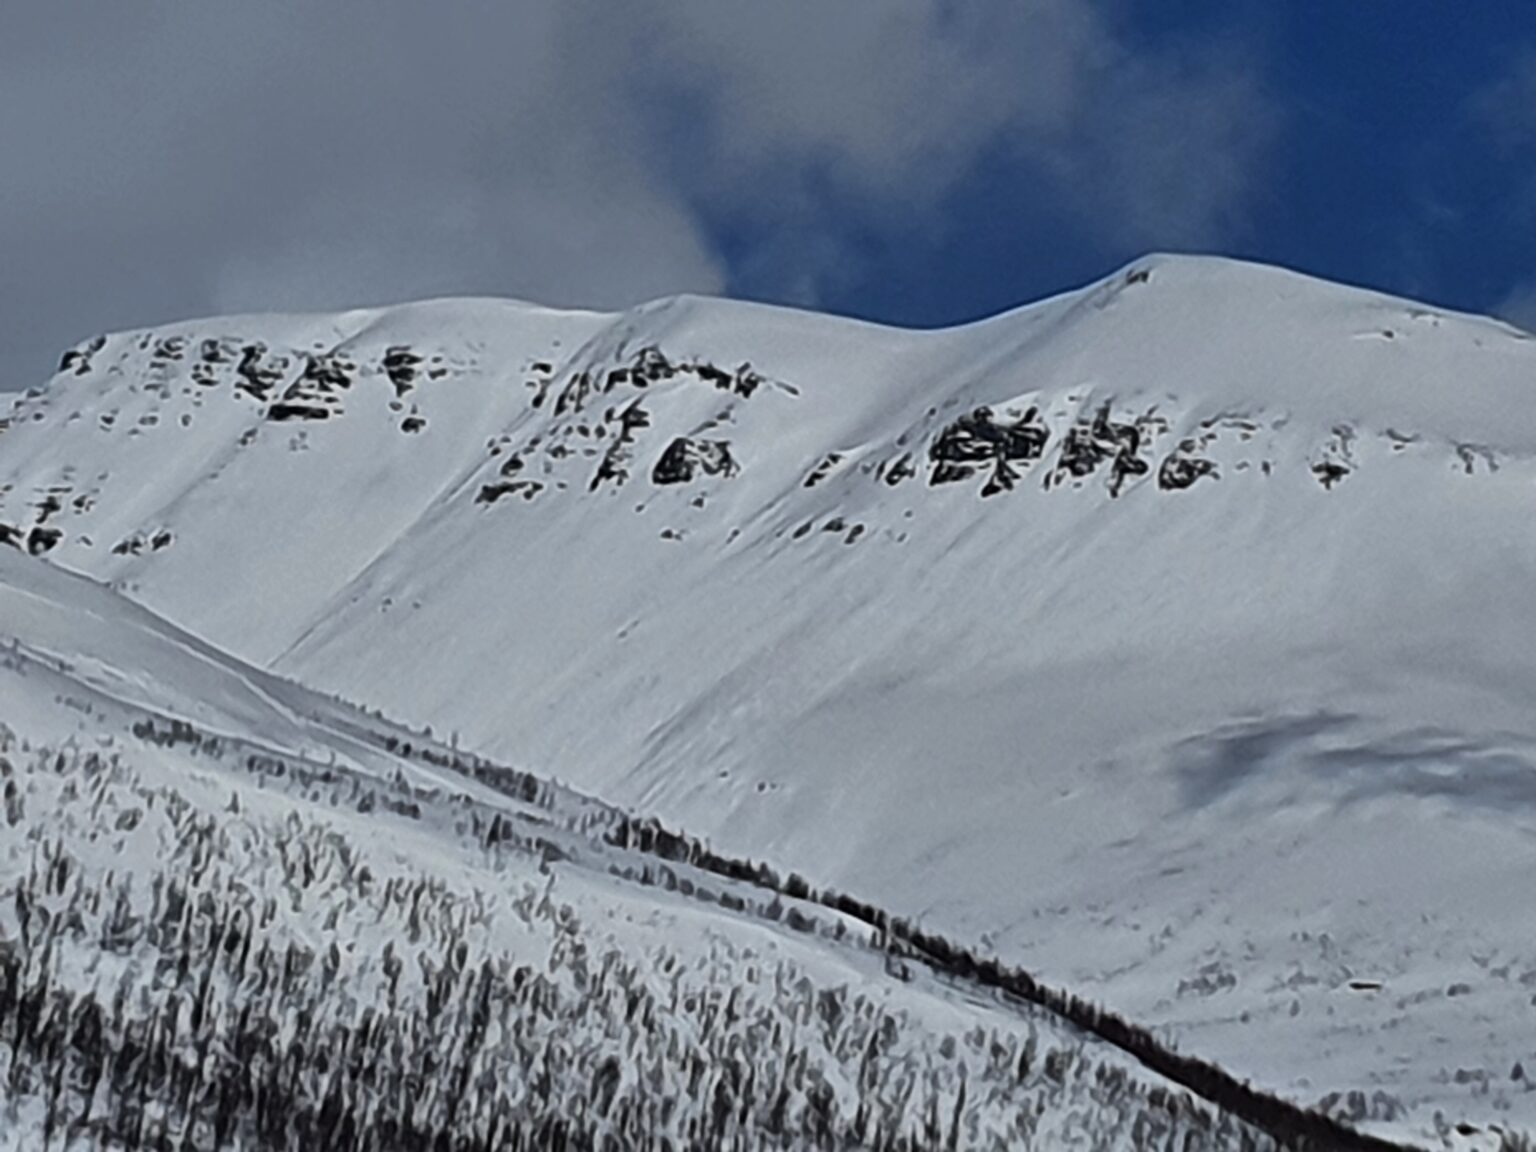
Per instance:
x=1338, y=749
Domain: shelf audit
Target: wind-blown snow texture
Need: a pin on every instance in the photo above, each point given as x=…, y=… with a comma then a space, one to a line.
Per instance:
x=1172, y=637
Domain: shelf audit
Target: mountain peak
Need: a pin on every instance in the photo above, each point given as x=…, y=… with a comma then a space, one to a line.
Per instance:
x=1173, y=575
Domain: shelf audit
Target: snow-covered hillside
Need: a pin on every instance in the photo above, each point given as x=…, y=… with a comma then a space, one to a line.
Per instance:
x=1172, y=638
x=240, y=915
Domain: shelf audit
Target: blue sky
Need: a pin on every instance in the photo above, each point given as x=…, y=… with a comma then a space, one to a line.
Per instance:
x=913, y=161
x=1403, y=158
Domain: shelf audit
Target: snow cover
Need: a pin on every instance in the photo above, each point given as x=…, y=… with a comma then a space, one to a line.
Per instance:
x=284, y=924
x=1171, y=638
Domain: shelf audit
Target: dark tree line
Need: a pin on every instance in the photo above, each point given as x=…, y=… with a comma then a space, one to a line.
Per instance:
x=282, y=996
x=1290, y=1124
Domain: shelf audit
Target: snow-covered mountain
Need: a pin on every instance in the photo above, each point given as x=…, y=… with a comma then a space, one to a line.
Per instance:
x=1171, y=638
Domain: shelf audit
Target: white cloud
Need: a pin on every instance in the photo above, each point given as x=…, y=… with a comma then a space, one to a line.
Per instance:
x=178, y=159
x=1519, y=307
x=1173, y=149
x=799, y=103
x=1507, y=105
x=1506, y=108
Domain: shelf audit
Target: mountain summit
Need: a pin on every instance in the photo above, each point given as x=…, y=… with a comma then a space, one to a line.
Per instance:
x=1172, y=637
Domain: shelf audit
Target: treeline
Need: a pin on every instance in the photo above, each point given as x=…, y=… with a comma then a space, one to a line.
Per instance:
x=1292, y=1125
x=255, y=983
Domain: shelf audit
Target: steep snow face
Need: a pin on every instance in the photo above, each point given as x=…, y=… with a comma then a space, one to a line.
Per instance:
x=1173, y=637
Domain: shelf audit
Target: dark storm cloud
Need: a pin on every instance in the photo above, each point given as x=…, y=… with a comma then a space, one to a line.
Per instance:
x=165, y=160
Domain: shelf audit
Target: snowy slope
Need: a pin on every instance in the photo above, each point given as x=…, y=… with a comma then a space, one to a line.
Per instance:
x=240, y=915
x=1172, y=637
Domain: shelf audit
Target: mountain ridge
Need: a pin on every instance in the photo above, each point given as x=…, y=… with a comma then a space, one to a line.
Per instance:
x=1179, y=595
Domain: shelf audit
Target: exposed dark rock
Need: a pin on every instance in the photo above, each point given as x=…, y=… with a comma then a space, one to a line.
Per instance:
x=824, y=469
x=325, y=372
x=684, y=458
x=79, y=359
x=400, y=365
x=1182, y=467
x=979, y=438
x=1082, y=452
x=947, y=472
x=257, y=377
x=413, y=424
x=747, y=381
x=633, y=418
x=170, y=348
x=743, y=381
x=1002, y=479
x=614, y=465
x=1471, y=454
x=1089, y=443
x=1126, y=464
x=490, y=493
x=574, y=394
x=134, y=545
x=647, y=366
x=1329, y=472
x=903, y=469
x=708, y=373
x=978, y=435
x=675, y=465
x=288, y=410
x=42, y=539
x=651, y=365
x=10, y=534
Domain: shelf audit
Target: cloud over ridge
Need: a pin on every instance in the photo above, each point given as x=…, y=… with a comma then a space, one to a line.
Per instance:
x=172, y=161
